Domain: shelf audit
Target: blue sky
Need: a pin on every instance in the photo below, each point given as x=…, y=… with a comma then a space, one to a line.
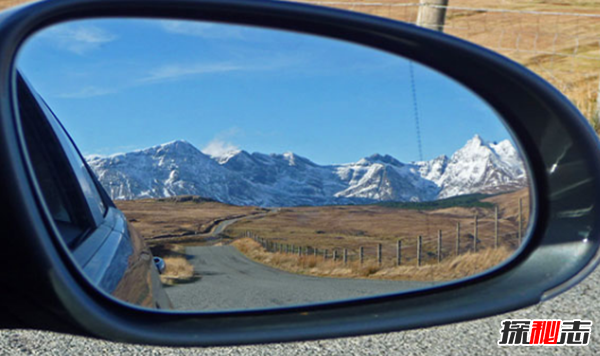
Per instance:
x=119, y=85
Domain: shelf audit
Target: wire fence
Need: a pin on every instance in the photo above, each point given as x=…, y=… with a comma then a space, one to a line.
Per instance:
x=562, y=47
x=457, y=235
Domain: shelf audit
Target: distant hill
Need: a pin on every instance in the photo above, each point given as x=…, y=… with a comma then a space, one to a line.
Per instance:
x=241, y=178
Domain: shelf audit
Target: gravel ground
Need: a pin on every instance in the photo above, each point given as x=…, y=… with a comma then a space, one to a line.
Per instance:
x=477, y=337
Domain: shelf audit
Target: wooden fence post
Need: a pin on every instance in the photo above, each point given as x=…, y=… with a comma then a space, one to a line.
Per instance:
x=361, y=253
x=399, y=253
x=334, y=255
x=457, y=238
x=496, y=227
x=520, y=235
x=325, y=254
x=419, y=240
x=439, y=246
x=379, y=257
x=475, y=233
x=345, y=256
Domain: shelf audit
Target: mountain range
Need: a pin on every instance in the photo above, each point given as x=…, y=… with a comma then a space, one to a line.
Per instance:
x=268, y=180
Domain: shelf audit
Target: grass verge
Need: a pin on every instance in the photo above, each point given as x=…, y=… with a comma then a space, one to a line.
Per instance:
x=449, y=269
x=178, y=268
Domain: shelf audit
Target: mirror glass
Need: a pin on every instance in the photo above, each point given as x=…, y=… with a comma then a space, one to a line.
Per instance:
x=258, y=168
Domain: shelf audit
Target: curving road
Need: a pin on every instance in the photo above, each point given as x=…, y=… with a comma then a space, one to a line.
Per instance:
x=231, y=281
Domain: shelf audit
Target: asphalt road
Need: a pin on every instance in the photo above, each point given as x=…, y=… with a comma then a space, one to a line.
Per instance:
x=231, y=281
x=471, y=338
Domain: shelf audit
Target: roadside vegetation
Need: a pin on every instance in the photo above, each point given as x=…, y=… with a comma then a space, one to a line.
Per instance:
x=179, y=219
x=353, y=226
x=169, y=225
x=178, y=269
x=451, y=268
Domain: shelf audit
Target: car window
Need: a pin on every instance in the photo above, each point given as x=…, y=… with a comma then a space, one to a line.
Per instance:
x=80, y=169
x=69, y=191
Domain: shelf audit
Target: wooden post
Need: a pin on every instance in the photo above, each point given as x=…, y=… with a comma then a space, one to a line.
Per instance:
x=419, y=240
x=432, y=17
x=345, y=256
x=379, y=257
x=334, y=255
x=399, y=253
x=457, y=238
x=520, y=235
x=439, y=246
x=325, y=254
x=595, y=120
x=299, y=251
x=361, y=254
x=496, y=227
x=475, y=233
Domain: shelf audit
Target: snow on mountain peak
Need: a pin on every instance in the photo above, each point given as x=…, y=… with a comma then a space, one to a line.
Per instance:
x=387, y=159
x=483, y=167
x=287, y=179
x=224, y=157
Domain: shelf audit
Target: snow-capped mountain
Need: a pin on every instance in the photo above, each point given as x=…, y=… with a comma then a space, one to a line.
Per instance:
x=242, y=178
x=478, y=167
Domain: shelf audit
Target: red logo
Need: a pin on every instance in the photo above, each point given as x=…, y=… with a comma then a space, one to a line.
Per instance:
x=526, y=332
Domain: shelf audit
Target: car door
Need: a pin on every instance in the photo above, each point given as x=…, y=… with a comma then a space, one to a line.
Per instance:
x=111, y=253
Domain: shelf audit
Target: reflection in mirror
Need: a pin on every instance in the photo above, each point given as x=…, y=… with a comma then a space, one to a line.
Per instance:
x=262, y=168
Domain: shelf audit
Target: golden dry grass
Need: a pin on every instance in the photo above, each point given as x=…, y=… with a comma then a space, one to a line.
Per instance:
x=177, y=267
x=451, y=268
x=553, y=46
x=352, y=227
x=177, y=270
x=154, y=218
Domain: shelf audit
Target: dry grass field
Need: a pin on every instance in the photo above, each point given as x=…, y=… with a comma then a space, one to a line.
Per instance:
x=452, y=268
x=350, y=227
x=181, y=220
x=170, y=224
x=563, y=49
x=158, y=219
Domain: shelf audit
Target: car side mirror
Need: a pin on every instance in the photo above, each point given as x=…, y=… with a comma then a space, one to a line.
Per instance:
x=543, y=158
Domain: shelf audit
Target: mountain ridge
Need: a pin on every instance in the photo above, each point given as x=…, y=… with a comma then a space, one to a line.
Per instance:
x=288, y=179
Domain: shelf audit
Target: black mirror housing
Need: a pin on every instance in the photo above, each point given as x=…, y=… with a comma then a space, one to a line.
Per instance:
x=562, y=154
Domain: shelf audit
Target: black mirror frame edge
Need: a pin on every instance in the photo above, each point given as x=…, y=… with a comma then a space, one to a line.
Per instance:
x=561, y=149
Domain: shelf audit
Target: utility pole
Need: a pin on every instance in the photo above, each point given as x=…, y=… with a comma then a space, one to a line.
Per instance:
x=432, y=14
x=596, y=114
